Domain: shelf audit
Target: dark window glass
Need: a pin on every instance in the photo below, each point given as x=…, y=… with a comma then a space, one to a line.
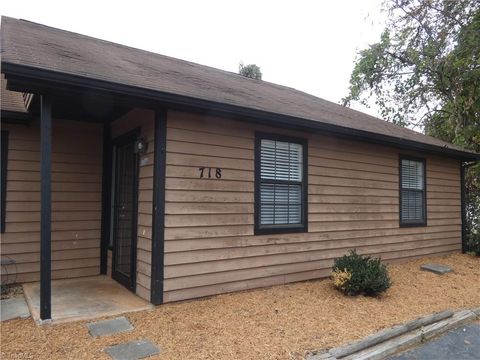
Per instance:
x=412, y=192
x=281, y=189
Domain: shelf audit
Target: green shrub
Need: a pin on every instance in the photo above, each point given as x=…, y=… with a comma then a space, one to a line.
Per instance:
x=355, y=274
x=473, y=243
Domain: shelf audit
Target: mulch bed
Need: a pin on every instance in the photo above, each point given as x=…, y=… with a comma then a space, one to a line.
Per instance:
x=281, y=322
x=11, y=291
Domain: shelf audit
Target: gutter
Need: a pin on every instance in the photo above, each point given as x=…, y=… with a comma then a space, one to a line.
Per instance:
x=28, y=78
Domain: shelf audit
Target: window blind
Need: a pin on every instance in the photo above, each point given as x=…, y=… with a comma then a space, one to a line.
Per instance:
x=281, y=172
x=281, y=160
x=412, y=204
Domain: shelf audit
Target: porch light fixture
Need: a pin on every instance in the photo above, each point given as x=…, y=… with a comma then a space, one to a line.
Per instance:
x=140, y=146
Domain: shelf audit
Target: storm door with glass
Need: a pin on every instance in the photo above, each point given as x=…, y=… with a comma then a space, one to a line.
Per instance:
x=124, y=215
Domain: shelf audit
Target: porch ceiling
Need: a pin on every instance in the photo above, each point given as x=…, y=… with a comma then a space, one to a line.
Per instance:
x=83, y=106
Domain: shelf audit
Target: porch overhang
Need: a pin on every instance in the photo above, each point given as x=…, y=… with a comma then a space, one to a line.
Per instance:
x=59, y=101
x=15, y=117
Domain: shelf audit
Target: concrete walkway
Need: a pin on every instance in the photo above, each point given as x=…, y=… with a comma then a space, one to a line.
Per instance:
x=85, y=298
x=462, y=343
x=14, y=308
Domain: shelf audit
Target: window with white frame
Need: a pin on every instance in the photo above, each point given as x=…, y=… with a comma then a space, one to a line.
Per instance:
x=280, y=184
x=412, y=192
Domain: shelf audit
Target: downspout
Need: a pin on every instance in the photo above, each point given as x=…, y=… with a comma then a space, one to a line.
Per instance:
x=463, y=167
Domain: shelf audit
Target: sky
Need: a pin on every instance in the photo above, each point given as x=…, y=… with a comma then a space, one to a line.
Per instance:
x=308, y=45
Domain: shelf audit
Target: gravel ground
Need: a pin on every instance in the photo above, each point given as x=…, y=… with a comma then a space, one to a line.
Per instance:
x=281, y=322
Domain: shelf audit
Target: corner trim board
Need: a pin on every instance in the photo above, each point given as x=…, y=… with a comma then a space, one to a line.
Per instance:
x=463, y=209
x=158, y=211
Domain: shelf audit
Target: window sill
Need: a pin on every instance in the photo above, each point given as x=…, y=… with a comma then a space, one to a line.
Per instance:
x=267, y=230
x=405, y=225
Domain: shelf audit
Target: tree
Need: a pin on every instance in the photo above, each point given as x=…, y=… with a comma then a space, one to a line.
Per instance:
x=425, y=71
x=251, y=71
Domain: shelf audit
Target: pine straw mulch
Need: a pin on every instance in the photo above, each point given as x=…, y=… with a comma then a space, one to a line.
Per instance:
x=281, y=322
x=11, y=291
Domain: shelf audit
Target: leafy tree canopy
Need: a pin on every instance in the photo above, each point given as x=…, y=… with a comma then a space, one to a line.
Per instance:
x=425, y=71
x=251, y=71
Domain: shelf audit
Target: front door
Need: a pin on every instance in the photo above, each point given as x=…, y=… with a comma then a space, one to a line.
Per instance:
x=125, y=191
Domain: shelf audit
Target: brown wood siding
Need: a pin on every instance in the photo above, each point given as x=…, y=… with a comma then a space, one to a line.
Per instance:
x=76, y=200
x=353, y=203
x=145, y=120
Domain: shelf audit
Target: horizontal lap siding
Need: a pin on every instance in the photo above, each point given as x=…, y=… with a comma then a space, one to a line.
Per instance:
x=353, y=197
x=145, y=120
x=76, y=200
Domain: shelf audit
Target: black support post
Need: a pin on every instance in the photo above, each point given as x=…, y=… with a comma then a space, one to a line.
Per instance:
x=106, y=195
x=158, y=221
x=463, y=205
x=46, y=206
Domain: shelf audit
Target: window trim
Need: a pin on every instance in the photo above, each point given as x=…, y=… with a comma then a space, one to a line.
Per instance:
x=411, y=223
x=280, y=229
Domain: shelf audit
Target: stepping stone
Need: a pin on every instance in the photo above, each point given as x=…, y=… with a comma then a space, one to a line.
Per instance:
x=132, y=350
x=436, y=268
x=108, y=327
x=14, y=308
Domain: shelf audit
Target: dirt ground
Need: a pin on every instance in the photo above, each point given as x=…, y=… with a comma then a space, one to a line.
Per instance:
x=281, y=322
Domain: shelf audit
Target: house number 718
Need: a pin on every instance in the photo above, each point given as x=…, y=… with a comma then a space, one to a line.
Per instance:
x=210, y=172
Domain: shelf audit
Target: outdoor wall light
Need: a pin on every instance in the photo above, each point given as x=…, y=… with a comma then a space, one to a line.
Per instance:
x=140, y=146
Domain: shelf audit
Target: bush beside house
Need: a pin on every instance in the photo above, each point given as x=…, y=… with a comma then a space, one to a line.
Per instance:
x=355, y=274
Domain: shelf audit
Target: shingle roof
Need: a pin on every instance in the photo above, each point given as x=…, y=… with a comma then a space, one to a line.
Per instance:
x=34, y=45
x=11, y=100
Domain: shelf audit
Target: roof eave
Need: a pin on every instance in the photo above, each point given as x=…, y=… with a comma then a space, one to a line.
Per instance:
x=9, y=116
x=42, y=76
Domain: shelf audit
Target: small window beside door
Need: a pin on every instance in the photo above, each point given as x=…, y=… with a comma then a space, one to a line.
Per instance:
x=280, y=184
x=413, y=209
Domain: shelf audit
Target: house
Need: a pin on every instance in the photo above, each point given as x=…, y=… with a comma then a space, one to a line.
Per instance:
x=183, y=181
